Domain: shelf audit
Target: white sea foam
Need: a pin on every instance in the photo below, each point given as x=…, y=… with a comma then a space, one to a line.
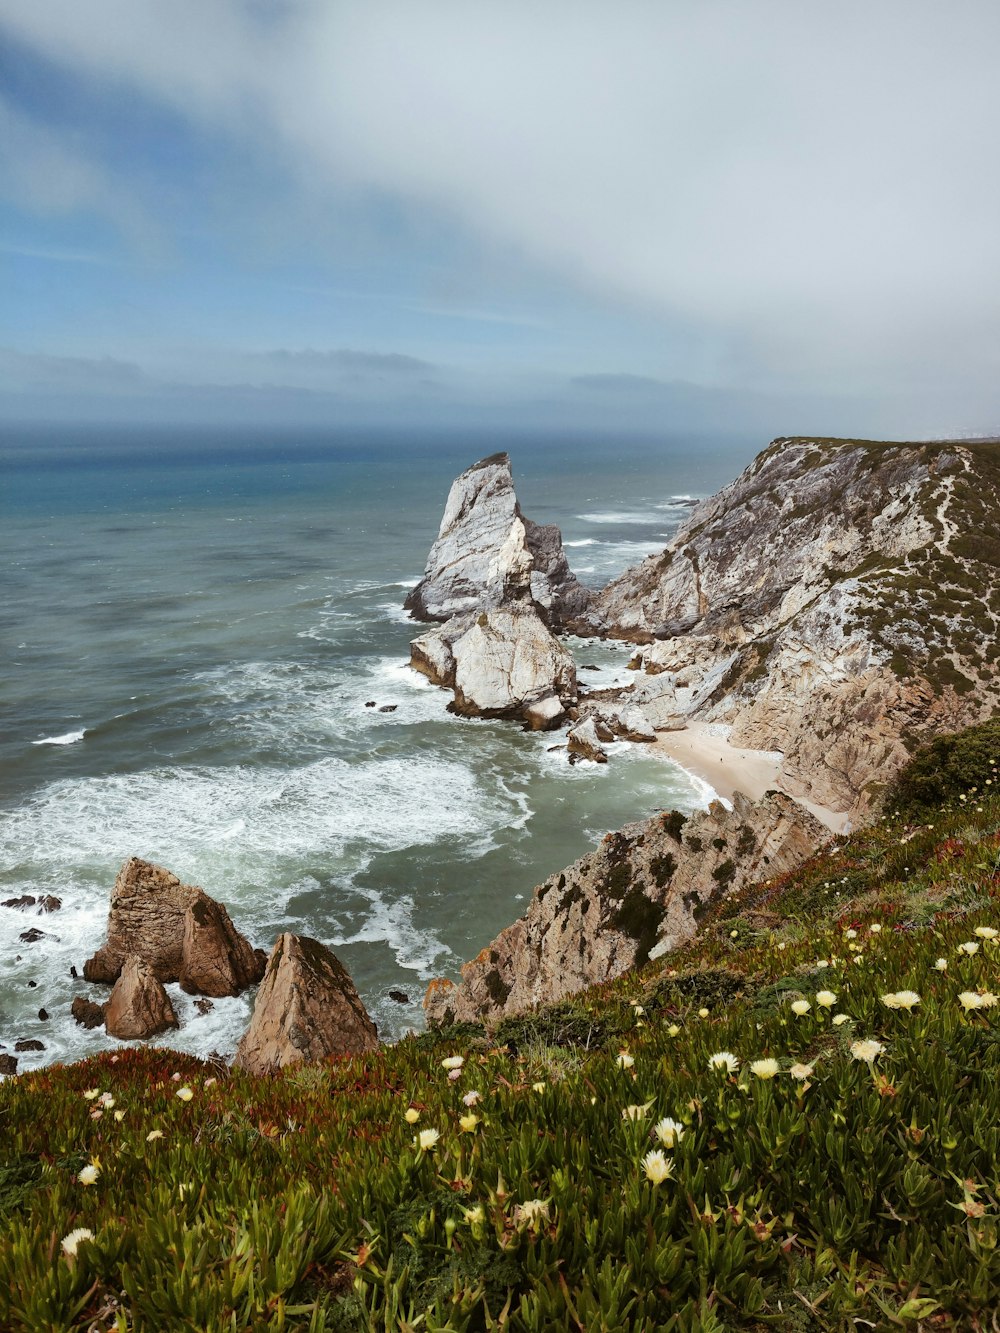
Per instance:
x=623, y=517
x=67, y=738
x=584, y=541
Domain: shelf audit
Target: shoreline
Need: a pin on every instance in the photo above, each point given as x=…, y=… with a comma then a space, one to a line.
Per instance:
x=707, y=755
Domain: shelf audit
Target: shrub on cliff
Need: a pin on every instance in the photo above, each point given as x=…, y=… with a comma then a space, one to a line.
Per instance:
x=946, y=769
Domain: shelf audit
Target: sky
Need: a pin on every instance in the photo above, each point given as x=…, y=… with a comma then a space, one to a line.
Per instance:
x=768, y=215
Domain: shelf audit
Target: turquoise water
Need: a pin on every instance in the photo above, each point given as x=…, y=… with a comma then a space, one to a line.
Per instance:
x=193, y=623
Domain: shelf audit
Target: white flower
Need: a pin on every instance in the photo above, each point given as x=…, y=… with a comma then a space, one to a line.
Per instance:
x=941, y=965
x=801, y=1007
x=472, y=1097
x=901, y=999
x=532, y=1210
x=411, y=1115
x=801, y=1072
x=625, y=1061
x=669, y=1132
x=850, y=934
x=153, y=1135
x=91, y=1093
x=185, y=1094
x=866, y=1050
x=426, y=1139
x=970, y=947
x=985, y=932
x=837, y=1019
x=764, y=1068
x=71, y=1243
x=634, y=1112
x=724, y=1060
x=987, y=1000
x=658, y=1168
x=826, y=998
x=106, y=1099
x=89, y=1174
x=874, y=927
x=453, y=1062
x=474, y=1216
x=970, y=999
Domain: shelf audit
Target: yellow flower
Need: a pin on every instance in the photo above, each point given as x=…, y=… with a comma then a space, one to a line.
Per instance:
x=970, y=947
x=970, y=999
x=453, y=1062
x=185, y=1094
x=901, y=999
x=426, y=1139
x=801, y=1007
x=673, y=1030
x=669, y=1132
x=538, y=1087
x=658, y=1168
x=89, y=1174
x=468, y=1122
x=634, y=1112
x=71, y=1243
x=764, y=1068
x=985, y=932
x=702, y=1013
x=866, y=1050
x=411, y=1115
x=91, y=1093
x=724, y=1060
x=153, y=1135
x=474, y=1216
x=826, y=998
x=119, y=1116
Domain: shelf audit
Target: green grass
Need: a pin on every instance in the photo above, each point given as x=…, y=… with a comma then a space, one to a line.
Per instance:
x=866, y=1192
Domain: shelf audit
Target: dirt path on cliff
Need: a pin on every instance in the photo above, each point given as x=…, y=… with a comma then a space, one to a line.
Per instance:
x=703, y=751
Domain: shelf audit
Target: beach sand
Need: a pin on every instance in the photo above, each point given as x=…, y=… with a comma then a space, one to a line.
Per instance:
x=701, y=750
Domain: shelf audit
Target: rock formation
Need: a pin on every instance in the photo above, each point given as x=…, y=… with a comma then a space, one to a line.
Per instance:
x=500, y=663
x=638, y=895
x=836, y=599
x=501, y=584
x=182, y=933
x=87, y=1013
x=139, y=1006
x=306, y=1009
x=583, y=742
x=487, y=554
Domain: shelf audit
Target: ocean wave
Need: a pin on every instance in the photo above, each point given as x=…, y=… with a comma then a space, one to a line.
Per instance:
x=623, y=517
x=67, y=738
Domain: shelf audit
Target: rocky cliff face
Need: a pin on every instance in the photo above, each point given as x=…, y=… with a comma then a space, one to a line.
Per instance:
x=839, y=598
x=500, y=583
x=639, y=894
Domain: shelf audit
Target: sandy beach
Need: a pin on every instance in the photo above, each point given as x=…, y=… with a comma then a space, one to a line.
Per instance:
x=701, y=750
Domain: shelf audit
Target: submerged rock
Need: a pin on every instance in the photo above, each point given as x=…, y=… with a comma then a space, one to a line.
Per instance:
x=306, y=1009
x=640, y=893
x=182, y=933
x=139, y=1006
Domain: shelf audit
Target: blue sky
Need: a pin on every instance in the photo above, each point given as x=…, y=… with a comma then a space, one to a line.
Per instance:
x=772, y=215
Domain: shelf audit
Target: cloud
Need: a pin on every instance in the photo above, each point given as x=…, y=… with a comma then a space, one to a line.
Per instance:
x=808, y=188
x=345, y=360
x=34, y=372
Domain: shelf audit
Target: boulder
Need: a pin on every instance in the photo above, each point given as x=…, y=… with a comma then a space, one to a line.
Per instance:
x=87, y=1013
x=544, y=714
x=8, y=1064
x=488, y=555
x=29, y=1044
x=182, y=933
x=582, y=743
x=307, y=1008
x=139, y=1006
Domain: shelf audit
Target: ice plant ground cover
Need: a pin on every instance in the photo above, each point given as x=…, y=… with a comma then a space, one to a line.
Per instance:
x=841, y=1192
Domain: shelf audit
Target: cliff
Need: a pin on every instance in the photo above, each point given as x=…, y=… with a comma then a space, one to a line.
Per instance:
x=835, y=602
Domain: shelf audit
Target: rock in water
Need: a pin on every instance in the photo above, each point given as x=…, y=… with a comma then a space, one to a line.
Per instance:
x=139, y=1006
x=487, y=554
x=87, y=1013
x=638, y=895
x=582, y=742
x=307, y=1008
x=504, y=662
x=182, y=933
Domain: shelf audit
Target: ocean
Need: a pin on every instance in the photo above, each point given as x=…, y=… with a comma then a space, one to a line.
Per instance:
x=195, y=625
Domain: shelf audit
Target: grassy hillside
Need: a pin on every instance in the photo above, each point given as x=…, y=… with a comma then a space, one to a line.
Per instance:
x=855, y=1187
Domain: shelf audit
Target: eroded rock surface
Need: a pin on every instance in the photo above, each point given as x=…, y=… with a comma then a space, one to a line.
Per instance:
x=638, y=895
x=487, y=554
x=87, y=1013
x=306, y=1009
x=182, y=933
x=836, y=598
x=139, y=1007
